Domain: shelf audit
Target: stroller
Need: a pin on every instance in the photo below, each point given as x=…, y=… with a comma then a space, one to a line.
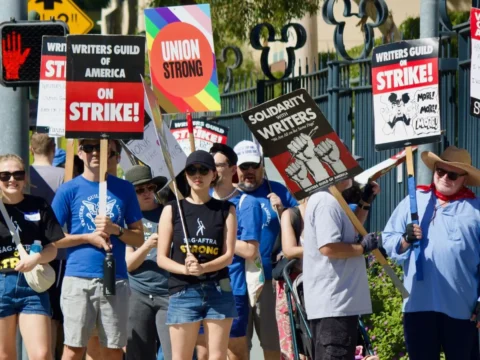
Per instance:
x=301, y=333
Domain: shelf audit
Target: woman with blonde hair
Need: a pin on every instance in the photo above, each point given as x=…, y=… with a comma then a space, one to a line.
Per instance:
x=33, y=220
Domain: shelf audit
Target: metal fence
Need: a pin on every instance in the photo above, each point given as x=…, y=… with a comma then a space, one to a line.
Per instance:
x=347, y=103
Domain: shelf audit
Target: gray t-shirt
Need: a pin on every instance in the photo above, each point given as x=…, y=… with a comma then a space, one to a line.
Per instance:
x=46, y=179
x=332, y=287
x=148, y=278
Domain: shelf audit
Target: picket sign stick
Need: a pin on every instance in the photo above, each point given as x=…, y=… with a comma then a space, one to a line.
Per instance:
x=361, y=230
x=412, y=194
x=69, y=162
x=190, y=131
x=102, y=193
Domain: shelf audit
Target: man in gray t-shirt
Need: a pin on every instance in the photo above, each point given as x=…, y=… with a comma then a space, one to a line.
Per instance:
x=335, y=285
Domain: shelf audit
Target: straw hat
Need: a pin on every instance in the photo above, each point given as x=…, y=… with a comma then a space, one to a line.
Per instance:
x=454, y=156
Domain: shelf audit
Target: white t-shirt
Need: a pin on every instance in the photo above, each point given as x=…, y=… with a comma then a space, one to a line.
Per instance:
x=333, y=287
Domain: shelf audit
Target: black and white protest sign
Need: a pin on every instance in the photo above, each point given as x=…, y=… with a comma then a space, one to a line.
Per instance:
x=405, y=93
x=302, y=145
x=475, y=63
x=104, y=96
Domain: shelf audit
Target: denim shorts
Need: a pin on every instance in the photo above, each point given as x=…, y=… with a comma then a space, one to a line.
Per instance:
x=201, y=301
x=16, y=297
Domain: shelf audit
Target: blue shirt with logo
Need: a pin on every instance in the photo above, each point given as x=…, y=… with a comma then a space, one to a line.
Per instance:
x=271, y=222
x=76, y=204
x=249, y=220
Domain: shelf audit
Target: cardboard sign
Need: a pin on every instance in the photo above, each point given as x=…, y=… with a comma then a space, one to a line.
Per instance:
x=104, y=86
x=149, y=151
x=206, y=133
x=301, y=143
x=51, y=92
x=405, y=93
x=182, y=58
x=475, y=63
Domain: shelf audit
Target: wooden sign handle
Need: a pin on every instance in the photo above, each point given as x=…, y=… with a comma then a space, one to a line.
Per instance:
x=361, y=230
x=102, y=195
x=69, y=162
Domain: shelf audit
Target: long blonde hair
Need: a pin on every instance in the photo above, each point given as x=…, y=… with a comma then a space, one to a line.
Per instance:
x=12, y=157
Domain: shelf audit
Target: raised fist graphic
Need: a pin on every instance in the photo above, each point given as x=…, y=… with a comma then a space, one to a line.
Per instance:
x=297, y=171
x=328, y=151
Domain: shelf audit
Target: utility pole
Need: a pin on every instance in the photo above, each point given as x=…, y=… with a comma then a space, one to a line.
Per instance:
x=429, y=23
x=14, y=111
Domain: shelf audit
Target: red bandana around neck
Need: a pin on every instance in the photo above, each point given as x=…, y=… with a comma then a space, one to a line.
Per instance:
x=463, y=193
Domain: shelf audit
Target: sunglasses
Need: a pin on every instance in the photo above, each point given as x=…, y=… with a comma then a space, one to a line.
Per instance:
x=193, y=170
x=450, y=174
x=17, y=175
x=149, y=188
x=88, y=149
x=247, y=166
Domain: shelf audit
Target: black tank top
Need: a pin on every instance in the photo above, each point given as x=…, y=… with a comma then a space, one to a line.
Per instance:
x=205, y=233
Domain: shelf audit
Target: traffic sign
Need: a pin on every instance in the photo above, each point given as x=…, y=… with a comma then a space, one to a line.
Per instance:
x=64, y=10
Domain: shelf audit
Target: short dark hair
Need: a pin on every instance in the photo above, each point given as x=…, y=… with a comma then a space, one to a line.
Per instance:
x=225, y=150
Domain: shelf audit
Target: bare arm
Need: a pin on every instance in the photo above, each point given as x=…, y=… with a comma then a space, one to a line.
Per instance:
x=72, y=240
x=48, y=253
x=230, y=235
x=289, y=242
x=361, y=214
x=135, y=258
x=133, y=236
x=341, y=250
x=165, y=235
x=246, y=249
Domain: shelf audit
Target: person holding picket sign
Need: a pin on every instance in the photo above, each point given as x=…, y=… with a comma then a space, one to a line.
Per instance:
x=199, y=232
x=31, y=219
x=438, y=311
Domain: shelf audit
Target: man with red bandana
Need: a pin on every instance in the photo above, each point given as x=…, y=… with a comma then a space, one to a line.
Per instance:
x=438, y=312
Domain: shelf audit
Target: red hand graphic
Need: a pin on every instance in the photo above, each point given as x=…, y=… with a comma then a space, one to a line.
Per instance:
x=12, y=55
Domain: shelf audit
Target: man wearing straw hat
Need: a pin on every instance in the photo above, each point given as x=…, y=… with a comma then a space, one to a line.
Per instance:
x=438, y=312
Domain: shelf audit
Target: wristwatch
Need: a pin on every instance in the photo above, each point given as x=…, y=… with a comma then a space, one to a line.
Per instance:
x=120, y=231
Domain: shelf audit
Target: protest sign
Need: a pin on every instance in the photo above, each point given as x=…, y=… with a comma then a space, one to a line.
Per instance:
x=302, y=145
x=104, y=92
x=205, y=133
x=405, y=93
x=475, y=63
x=182, y=58
x=51, y=90
x=149, y=151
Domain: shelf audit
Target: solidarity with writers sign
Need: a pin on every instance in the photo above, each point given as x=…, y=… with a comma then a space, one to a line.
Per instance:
x=301, y=143
x=182, y=58
x=405, y=93
x=205, y=133
x=51, y=92
x=104, y=96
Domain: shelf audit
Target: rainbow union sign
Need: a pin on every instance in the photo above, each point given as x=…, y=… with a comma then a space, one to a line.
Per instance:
x=182, y=58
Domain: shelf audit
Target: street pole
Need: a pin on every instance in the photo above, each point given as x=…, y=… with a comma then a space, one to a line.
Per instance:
x=429, y=22
x=14, y=111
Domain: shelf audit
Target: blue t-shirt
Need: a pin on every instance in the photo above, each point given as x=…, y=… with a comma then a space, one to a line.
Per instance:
x=249, y=220
x=76, y=204
x=271, y=222
x=148, y=278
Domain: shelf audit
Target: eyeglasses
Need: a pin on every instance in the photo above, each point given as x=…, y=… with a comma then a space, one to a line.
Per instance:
x=222, y=165
x=247, y=166
x=150, y=188
x=17, y=175
x=113, y=153
x=450, y=174
x=87, y=149
x=192, y=170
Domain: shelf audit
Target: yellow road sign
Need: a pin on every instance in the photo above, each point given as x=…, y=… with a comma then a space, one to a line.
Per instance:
x=64, y=10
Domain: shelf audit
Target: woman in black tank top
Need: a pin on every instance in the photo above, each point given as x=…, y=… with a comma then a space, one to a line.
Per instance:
x=199, y=285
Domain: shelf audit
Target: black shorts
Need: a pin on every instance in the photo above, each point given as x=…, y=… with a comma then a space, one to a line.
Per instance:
x=55, y=291
x=334, y=338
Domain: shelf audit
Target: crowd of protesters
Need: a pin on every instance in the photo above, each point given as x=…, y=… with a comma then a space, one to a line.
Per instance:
x=181, y=288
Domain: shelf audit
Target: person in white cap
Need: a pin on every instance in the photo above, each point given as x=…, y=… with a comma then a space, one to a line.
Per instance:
x=274, y=198
x=438, y=313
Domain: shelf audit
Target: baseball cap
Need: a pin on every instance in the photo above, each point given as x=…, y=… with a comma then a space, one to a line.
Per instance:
x=225, y=150
x=247, y=152
x=201, y=157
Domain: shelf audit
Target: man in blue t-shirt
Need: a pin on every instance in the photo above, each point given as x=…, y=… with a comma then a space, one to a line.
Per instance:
x=249, y=221
x=89, y=237
x=273, y=198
